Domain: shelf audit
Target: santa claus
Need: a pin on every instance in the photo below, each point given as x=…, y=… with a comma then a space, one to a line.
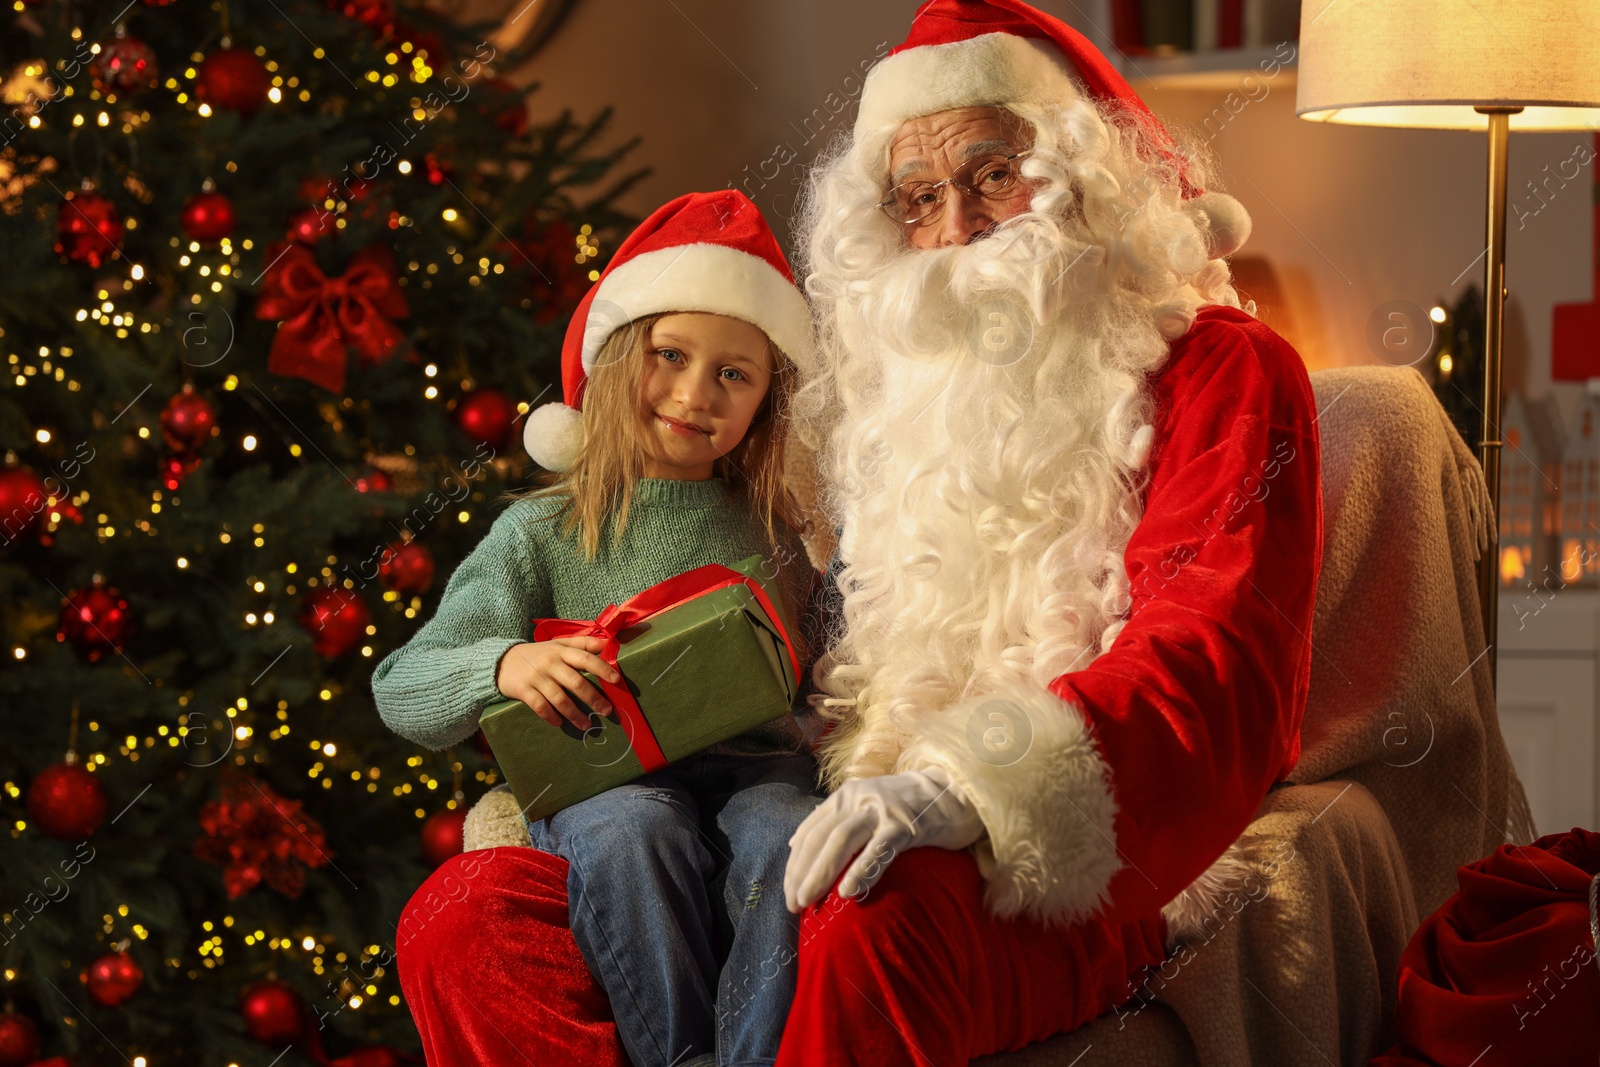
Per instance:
x=1078, y=499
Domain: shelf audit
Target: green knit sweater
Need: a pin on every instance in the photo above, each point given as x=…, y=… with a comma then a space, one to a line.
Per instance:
x=432, y=689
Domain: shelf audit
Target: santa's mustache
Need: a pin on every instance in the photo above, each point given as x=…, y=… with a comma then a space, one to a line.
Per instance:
x=1025, y=274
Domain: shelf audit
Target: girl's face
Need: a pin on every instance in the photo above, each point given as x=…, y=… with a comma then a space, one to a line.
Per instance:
x=704, y=379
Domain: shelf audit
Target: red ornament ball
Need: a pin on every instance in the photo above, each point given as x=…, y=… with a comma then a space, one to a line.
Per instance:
x=66, y=801
x=273, y=1012
x=207, y=217
x=176, y=468
x=512, y=116
x=96, y=620
x=125, y=64
x=438, y=170
x=187, y=421
x=376, y=15
x=317, y=189
x=19, y=1040
x=442, y=835
x=337, y=620
x=113, y=978
x=486, y=415
x=425, y=43
x=406, y=568
x=22, y=502
x=309, y=226
x=371, y=1056
x=63, y=512
x=233, y=78
x=376, y=480
x=88, y=228
x=548, y=247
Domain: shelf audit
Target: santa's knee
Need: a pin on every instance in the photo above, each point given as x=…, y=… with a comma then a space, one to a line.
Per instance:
x=933, y=876
x=925, y=893
x=446, y=912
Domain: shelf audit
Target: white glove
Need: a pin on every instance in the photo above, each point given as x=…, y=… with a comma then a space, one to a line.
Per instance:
x=888, y=814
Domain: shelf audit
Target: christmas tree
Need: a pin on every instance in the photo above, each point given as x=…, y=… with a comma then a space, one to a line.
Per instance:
x=278, y=280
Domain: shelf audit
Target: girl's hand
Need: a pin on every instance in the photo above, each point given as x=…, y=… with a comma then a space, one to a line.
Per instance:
x=540, y=674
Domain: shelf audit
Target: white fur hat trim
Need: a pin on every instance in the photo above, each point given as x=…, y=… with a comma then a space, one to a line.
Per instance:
x=701, y=277
x=992, y=68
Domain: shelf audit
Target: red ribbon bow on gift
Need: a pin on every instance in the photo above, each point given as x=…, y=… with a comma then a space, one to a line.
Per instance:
x=636, y=609
x=322, y=315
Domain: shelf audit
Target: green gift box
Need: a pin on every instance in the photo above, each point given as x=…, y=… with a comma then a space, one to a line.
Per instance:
x=702, y=671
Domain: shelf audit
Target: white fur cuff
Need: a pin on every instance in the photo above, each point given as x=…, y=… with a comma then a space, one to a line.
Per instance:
x=1205, y=897
x=1030, y=766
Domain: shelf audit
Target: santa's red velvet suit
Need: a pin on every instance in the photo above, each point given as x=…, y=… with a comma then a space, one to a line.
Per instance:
x=1190, y=718
x=1142, y=768
x=1179, y=731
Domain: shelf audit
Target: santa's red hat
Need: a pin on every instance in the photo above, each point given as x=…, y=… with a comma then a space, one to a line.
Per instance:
x=974, y=53
x=708, y=252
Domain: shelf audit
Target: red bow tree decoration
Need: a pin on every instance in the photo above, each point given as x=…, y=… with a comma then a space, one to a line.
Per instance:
x=255, y=835
x=320, y=316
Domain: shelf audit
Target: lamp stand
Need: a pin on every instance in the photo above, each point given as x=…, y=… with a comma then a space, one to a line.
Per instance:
x=1494, y=304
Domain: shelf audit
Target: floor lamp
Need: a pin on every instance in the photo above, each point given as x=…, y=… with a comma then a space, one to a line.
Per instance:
x=1494, y=65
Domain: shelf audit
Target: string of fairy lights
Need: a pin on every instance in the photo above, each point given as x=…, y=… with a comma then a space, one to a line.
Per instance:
x=244, y=735
x=210, y=952
x=211, y=267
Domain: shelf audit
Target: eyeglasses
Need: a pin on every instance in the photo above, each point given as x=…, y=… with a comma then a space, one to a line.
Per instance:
x=990, y=177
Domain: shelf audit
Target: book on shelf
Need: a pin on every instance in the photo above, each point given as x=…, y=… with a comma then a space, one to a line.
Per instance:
x=1142, y=27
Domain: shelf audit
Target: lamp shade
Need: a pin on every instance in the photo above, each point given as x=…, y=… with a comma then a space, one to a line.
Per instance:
x=1428, y=63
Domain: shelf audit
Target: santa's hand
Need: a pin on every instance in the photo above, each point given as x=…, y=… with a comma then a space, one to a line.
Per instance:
x=887, y=815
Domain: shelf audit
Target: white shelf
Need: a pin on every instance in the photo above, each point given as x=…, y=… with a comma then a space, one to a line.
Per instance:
x=1219, y=70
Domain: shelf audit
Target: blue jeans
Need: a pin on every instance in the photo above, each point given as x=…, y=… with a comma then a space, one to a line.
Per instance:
x=676, y=902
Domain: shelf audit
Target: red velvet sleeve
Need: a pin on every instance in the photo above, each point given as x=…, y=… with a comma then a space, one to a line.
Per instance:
x=1196, y=708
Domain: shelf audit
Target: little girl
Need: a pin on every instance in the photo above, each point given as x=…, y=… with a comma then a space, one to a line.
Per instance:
x=681, y=360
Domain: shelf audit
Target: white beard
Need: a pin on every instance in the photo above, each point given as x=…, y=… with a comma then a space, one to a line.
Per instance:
x=987, y=484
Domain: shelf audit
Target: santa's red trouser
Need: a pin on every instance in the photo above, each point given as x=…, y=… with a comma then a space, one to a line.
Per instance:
x=918, y=973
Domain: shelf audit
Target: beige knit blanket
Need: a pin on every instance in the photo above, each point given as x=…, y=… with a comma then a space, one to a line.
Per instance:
x=1402, y=699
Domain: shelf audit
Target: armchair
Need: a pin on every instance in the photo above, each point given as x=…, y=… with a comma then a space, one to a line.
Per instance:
x=1403, y=775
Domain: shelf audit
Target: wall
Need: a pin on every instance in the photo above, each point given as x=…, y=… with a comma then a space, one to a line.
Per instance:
x=724, y=92
x=727, y=91
x=1360, y=216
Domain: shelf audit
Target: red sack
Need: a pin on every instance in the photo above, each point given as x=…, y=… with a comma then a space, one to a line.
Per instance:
x=1504, y=974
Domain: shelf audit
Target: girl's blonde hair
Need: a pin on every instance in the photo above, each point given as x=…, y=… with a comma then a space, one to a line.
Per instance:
x=600, y=482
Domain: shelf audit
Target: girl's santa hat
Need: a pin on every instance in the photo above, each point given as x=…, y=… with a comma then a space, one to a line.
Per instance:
x=708, y=252
x=974, y=53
